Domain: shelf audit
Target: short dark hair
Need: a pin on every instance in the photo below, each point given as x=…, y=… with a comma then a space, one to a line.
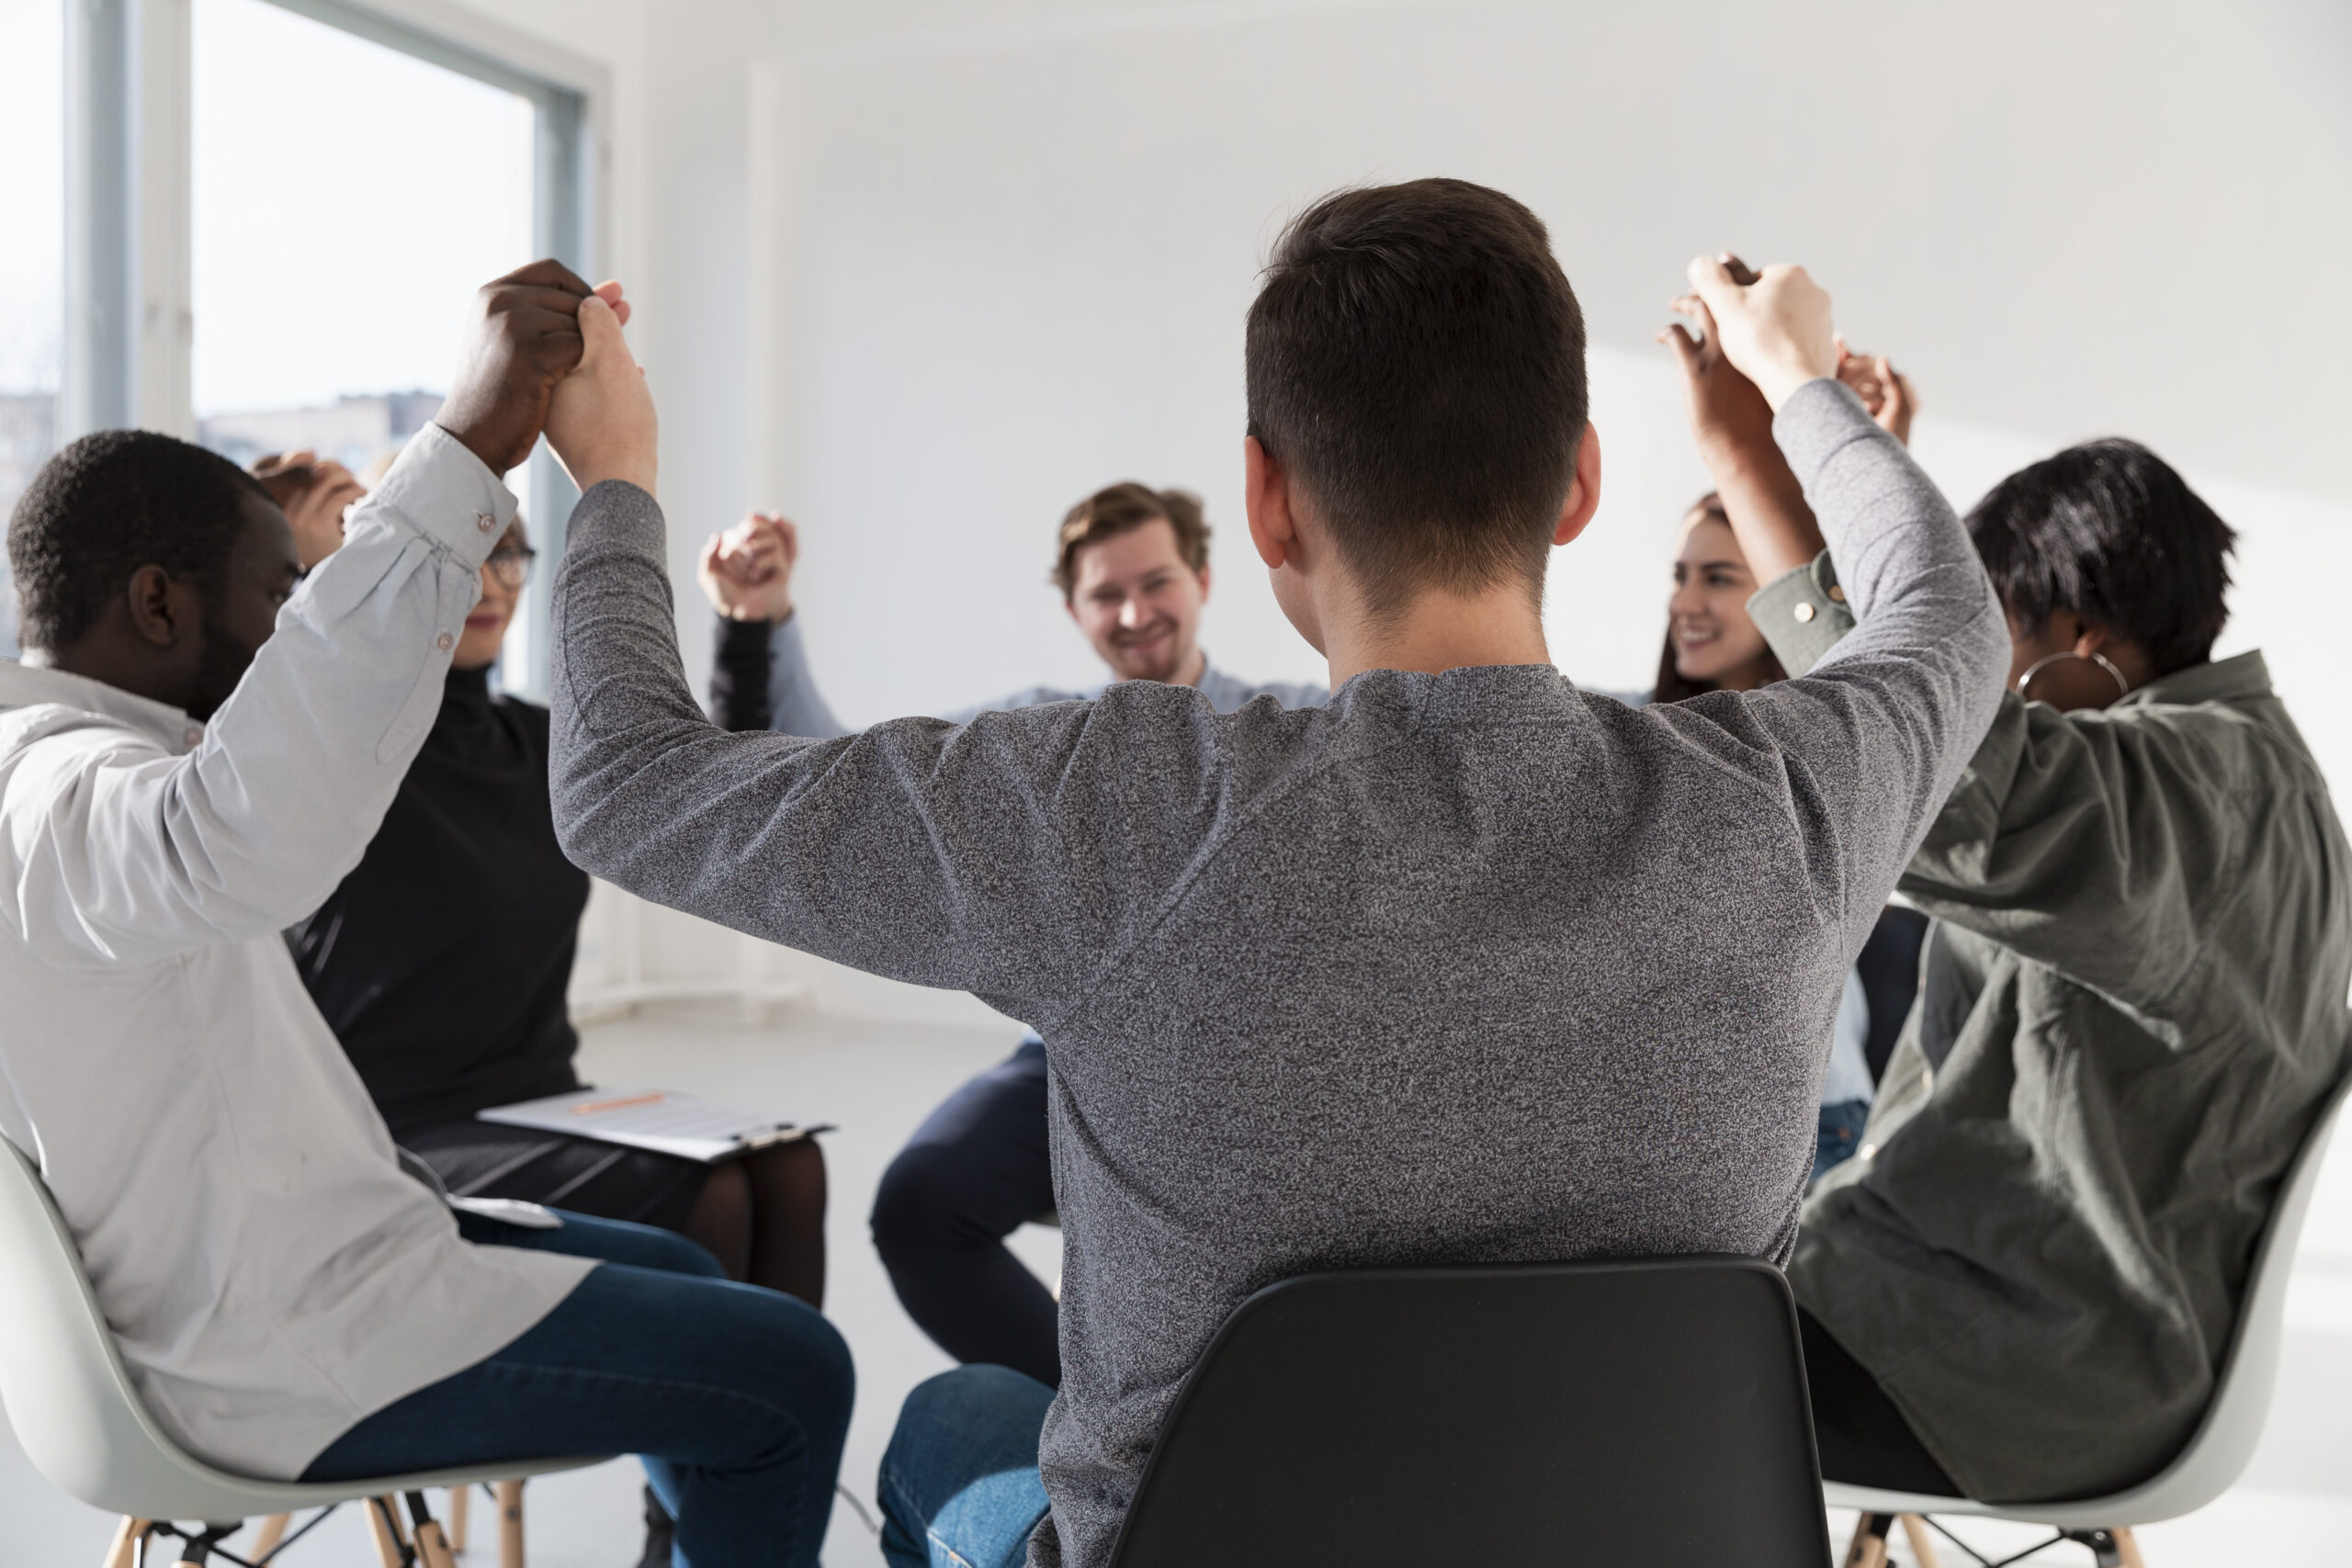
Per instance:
x=108, y=504
x=1415, y=362
x=2109, y=532
x=1121, y=508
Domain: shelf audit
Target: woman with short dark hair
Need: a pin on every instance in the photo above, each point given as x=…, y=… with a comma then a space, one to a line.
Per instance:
x=2133, y=1002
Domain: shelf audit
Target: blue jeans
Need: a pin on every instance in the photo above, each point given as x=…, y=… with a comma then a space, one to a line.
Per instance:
x=978, y=1168
x=1841, y=1134
x=960, y=1486
x=735, y=1398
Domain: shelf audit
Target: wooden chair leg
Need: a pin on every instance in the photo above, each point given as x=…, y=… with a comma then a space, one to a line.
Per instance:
x=384, y=1525
x=2127, y=1548
x=461, y=1498
x=1868, y=1549
x=1923, y=1545
x=433, y=1547
x=510, y=1524
x=273, y=1530
x=129, y=1543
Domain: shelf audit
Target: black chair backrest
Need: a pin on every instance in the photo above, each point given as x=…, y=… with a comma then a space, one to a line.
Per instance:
x=1646, y=1411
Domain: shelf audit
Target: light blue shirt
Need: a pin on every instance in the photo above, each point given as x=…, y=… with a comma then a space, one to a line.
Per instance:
x=797, y=707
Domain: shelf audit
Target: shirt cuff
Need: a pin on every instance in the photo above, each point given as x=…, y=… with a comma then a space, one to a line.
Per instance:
x=442, y=491
x=744, y=640
x=1802, y=614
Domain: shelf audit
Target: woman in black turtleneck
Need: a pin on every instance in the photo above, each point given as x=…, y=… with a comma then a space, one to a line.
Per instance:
x=441, y=965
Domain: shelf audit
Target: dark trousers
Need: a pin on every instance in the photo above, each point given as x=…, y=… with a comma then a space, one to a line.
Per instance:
x=736, y=1399
x=1863, y=1439
x=978, y=1168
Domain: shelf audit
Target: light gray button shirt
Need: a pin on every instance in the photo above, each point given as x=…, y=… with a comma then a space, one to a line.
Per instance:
x=269, y=1273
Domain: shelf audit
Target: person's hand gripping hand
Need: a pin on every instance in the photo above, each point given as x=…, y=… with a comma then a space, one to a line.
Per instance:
x=1884, y=391
x=312, y=494
x=746, y=572
x=1777, y=331
x=601, y=420
x=525, y=338
x=1729, y=418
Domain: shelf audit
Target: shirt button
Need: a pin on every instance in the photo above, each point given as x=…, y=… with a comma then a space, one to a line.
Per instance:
x=1838, y=593
x=1803, y=612
x=442, y=642
x=1869, y=1149
x=484, y=520
x=192, y=734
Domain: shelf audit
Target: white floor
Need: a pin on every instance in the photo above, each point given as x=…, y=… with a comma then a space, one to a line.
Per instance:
x=877, y=1080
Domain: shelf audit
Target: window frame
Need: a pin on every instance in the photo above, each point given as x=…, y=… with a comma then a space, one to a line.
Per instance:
x=129, y=319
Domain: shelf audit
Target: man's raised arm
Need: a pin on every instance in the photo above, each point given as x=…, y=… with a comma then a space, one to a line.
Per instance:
x=141, y=854
x=919, y=850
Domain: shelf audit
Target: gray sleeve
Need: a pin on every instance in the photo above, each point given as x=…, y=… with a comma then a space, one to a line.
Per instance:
x=1878, y=726
x=976, y=857
x=795, y=705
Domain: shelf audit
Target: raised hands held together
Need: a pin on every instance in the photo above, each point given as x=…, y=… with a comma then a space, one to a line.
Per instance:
x=313, y=495
x=525, y=337
x=746, y=572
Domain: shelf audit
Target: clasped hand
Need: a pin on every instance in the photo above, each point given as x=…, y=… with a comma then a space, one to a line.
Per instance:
x=546, y=354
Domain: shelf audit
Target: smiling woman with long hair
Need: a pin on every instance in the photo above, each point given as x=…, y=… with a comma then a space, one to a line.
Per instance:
x=1712, y=644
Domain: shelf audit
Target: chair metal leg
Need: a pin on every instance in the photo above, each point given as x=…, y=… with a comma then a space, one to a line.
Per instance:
x=510, y=1524
x=461, y=1498
x=273, y=1530
x=1923, y=1545
x=1868, y=1549
x=129, y=1543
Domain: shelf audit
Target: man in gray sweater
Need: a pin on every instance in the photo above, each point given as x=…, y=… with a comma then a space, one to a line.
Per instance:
x=1466, y=966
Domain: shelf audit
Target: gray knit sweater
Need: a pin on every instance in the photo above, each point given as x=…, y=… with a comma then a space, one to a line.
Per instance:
x=1463, y=967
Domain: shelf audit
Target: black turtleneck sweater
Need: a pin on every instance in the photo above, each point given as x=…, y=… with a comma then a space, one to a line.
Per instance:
x=441, y=960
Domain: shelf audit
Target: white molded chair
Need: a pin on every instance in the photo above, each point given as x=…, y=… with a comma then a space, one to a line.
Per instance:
x=79, y=1418
x=2216, y=1454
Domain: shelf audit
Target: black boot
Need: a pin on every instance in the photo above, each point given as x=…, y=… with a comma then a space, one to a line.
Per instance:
x=658, y=1527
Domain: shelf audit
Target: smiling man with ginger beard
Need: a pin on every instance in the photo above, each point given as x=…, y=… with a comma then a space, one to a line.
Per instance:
x=1133, y=567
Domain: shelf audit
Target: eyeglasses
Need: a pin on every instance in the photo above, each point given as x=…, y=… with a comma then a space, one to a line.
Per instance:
x=511, y=564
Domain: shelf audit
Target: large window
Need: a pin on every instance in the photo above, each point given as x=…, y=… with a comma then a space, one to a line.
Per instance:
x=271, y=216
x=347, y=198
x=32, y=207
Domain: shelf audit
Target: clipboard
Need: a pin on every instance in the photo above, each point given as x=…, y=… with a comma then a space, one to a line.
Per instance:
x=684, y=1126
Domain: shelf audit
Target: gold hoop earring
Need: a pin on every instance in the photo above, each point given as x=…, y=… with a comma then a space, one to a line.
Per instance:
x=2122, y=686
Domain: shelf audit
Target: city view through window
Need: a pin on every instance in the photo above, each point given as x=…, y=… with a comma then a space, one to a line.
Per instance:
x=33, y=262
x=333, y=267
x=347, y=198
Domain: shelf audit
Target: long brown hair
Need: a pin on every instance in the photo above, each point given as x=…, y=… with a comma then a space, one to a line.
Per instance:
x=1673, y=687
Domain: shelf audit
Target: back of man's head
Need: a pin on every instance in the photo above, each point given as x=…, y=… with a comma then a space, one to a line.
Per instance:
x=108, y=504
x=1416, y=365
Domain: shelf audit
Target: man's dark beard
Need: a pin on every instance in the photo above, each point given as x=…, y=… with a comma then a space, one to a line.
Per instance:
x=217, y=669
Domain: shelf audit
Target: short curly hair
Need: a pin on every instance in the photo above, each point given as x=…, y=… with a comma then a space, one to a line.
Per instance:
x=2110, y=532
x=108, y=504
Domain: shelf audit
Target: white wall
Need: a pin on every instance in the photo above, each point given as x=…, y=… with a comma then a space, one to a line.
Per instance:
x=923, y=272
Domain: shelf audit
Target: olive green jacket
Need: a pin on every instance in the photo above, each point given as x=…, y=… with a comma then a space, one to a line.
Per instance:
x=2132, y=1001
